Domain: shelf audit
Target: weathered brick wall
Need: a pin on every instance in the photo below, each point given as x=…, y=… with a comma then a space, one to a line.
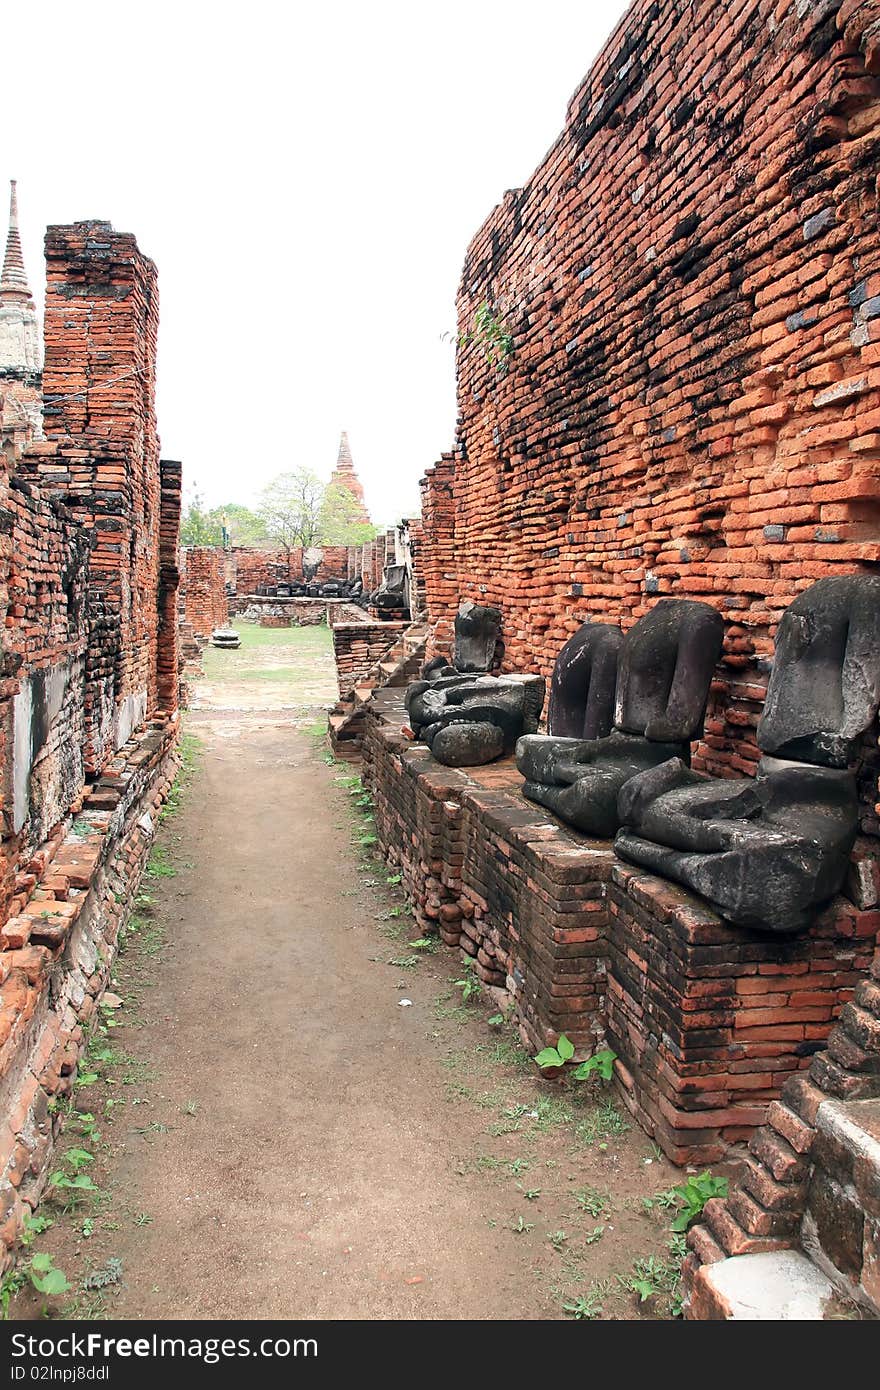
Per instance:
x=254, y=568
x=205, y=605
x=691, y=279
x=101, y=321
x=88, y=577
x=43, y=559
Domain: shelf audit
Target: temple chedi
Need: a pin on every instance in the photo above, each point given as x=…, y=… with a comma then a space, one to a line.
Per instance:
x=21, y=400
x=344, y=475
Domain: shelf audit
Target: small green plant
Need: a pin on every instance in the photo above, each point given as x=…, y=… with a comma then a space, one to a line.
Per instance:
x=111, y=1273
x=158, y=865
x=555, y=1056
x=34, y=1226
x=469, y=985
x=522, y=1227
x=77, y=1159
x=495, y=1021
x=490, y=333
x=40, y=1269
x=692, y=1196
x=584, y=1308
x=69, y=1187
x=393, y=880
x=590, y=1200
x=533, y=1194
x=143, y=1218
x=424, y=943
x=44, y=1276
x=557, y=1239
x=595, y=1235
x=600, y=1064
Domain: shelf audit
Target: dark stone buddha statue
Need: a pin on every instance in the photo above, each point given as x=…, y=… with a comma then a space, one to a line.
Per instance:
x=465, y=715
x=664, y=667
x=769, y=852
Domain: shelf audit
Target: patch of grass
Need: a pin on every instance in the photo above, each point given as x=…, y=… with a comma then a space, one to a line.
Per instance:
x=603, y=1122
x=159, y=865
x=190, y=752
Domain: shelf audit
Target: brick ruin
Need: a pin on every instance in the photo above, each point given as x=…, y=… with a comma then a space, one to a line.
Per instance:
x=668, y=384
x=89, y=685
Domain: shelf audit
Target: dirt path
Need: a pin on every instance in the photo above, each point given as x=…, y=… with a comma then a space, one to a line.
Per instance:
x=280, y=1137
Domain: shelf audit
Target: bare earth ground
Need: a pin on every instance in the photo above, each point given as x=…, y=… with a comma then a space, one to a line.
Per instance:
x=277, y=1135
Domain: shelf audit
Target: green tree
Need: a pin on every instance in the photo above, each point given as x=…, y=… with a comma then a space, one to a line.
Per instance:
x=339, y=520
x=241, y=525
x=199, y=526
x=290, y=509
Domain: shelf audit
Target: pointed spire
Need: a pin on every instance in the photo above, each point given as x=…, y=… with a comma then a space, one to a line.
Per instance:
x=344, y=460
x=13, y=281
x=344, y=475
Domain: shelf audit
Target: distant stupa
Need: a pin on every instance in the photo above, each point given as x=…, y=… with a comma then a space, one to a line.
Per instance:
x=344, y=476
x=21, y=400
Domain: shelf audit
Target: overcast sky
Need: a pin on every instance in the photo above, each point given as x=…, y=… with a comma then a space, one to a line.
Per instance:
x=307, y=179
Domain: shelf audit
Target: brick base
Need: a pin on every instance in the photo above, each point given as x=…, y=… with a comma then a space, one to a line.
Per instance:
x=708, y=1021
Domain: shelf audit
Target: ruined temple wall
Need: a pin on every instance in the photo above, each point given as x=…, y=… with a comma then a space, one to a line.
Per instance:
x=691, y=406
x=99, y=388
x=89, y=527
x=252, y=568
x=43, y=563
x=205, y=605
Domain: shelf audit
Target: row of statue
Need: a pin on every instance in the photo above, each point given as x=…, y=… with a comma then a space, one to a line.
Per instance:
x=766, y=852
x=389, y=600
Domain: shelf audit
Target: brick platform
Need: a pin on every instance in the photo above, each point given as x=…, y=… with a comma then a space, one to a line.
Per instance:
x=708, y=1021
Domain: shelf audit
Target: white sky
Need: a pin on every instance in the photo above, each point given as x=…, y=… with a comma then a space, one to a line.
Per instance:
x=307, y=179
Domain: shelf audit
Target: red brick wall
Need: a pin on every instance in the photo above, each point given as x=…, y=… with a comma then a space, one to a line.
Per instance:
x=204, y=589
x=101, y=319
x=43, y=565
x=691, y=279
x=257, y=567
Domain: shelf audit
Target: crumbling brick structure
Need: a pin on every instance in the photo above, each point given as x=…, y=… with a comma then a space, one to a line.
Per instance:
x=253, y=569
x=89, y=523
x=669, y=383
x=203, y=581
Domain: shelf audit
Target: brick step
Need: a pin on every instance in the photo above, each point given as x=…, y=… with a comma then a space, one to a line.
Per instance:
x=779, y=1286
x=841, y=1225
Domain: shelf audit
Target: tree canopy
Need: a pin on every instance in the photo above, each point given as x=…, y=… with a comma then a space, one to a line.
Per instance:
x=295, y=509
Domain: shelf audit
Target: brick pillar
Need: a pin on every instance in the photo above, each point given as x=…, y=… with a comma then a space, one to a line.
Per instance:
x=99, y=385
x=167, y=673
